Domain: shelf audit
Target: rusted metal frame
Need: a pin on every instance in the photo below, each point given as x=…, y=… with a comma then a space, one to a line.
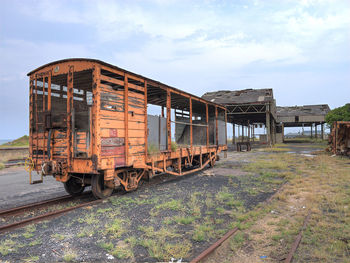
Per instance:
x=69, y=116
x=146, y=124
x=168, y=118
x=178, y=174
x=43, y=116
x=191, y=130
x=201, y=157
x=126, y=118
x=49, y=106
x=216, y=127
x=30, y=117
x=182, y=93
x=36, y=121
x=207, y=121
x=94, y=124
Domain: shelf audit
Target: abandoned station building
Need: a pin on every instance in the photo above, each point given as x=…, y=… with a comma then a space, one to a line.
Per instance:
x=249, y=109
x=304, y=116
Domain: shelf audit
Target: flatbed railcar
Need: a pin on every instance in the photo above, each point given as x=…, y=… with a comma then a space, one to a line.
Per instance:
x=90, y=124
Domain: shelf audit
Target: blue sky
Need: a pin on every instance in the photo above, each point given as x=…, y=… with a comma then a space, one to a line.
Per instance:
x=301, y=49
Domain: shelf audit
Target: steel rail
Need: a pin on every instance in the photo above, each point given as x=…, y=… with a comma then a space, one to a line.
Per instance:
x=20, y=209
x=230, y=233
x=298, y=239
x=22, y=223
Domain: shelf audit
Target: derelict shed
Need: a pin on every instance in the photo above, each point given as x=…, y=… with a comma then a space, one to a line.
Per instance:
x=248, y=108
x=303, y=116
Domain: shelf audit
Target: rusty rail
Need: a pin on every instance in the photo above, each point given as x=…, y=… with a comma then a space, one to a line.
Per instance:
x=39, y=218
x=230, y=233
x=19, y=209
x=298, y=239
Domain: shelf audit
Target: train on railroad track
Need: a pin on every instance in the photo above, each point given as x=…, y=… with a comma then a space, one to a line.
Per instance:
x=92, y=123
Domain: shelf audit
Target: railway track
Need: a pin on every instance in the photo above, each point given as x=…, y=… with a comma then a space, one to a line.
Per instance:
x=233, y=231
x=19, y=212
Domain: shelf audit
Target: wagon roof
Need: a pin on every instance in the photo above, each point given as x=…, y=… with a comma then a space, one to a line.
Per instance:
x=123, y=70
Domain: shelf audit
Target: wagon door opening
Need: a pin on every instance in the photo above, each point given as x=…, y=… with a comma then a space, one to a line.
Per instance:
x=81, y=113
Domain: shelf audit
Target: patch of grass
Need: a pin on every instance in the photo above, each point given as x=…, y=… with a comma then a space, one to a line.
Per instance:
x=185, y=220
x=31, y=259
x=35, y=242
x=2, y=166
x=89, y=219
x=202, y=232
x=86, y=232
x=7, y=246
x=108, y=246
x=166, y=250
x=237, y=241
x=27, y=235
x=122, y=251
x=116, y=228
x=103, y=210
x=59, y=237
x=69, y=255
x=194, y=204
x=220, y=210
x=174, y=204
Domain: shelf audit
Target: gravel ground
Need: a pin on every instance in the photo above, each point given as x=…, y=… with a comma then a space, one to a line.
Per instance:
x=166, y=217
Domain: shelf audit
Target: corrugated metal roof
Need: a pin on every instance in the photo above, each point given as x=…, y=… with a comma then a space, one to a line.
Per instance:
x=321, y=109
x=247, y=96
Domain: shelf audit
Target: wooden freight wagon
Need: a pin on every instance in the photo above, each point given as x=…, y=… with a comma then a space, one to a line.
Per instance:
x=92, y=123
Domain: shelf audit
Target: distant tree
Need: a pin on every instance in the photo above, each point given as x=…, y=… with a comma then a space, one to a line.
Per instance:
x=338, y=114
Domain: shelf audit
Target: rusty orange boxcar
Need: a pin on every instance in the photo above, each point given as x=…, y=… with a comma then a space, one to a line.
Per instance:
x=92, y=123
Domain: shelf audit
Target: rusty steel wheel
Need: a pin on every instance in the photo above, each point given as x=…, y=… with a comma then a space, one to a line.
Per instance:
x=73, y=187
x=99, y=190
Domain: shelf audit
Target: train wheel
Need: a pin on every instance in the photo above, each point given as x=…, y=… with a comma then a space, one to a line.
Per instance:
x=73, y=187
x=99, y=190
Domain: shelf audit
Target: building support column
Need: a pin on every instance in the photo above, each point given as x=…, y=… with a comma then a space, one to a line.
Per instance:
x=282, y=132
x=322, y=131
x=233, y=133
x=242, y=133
x=268, y=128
x=248, y=132
x=253, y=128
x=311, y=131
x=302, y=130
x=316, y=131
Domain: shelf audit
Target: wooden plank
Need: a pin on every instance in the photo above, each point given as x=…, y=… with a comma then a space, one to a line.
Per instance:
x=112, y=80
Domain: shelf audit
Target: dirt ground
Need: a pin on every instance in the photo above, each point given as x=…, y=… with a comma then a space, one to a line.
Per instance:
x=165, y=218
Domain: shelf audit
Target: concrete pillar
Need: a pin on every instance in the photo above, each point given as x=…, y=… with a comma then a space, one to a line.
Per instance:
x=253, y=133
x=282, y=132
x=322, y=131
x=233, y=133
x=302, y=130
x=316, y=131
x=311, y=131
x=248, y=131
x=268, y=129
x=242, y=133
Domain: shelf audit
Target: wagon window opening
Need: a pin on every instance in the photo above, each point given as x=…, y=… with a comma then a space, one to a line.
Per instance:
x=181, y=119
x=156, y=119
x=81, y=113
x=212, y=125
